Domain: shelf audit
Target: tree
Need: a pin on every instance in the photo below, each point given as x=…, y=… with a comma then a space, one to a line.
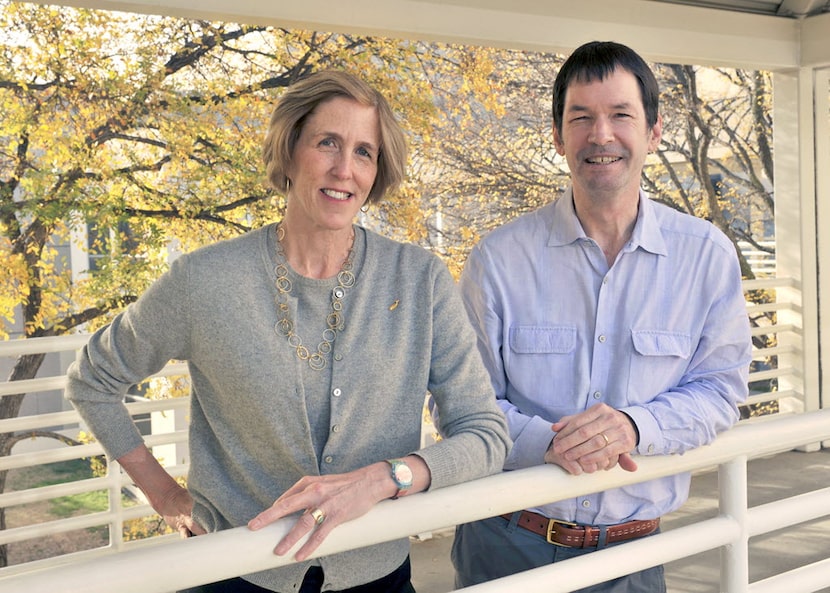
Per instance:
x=490, y=156
x=716, y=155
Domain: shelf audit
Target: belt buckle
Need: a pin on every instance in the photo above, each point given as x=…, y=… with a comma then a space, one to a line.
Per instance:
x=552, y=530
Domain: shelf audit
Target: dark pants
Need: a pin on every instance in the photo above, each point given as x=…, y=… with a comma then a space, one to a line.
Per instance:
x=395, y=582
x=493, y=548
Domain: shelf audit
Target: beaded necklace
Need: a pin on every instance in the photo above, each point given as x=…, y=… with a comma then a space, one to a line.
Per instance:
x=334, y=320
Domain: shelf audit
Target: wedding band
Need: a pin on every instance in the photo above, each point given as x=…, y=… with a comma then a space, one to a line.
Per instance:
x=602, y=434
x=318, y=516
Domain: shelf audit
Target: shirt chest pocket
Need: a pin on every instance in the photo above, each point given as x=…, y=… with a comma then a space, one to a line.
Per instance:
x=649, y=342
x=542, y=340
x=542, y=362
x=659, y=361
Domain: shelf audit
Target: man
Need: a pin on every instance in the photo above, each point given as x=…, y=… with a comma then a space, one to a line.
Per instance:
x=611, y=326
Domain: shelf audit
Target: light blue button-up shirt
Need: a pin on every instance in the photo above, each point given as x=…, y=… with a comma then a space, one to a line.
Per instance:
x=661, y=335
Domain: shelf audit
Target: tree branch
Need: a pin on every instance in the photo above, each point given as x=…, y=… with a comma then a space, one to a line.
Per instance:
x=10, y=441
x=63, y=325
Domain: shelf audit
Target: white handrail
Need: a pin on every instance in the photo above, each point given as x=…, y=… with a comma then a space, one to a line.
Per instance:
x=59, y=381
x=237, y=551
x=62, y=343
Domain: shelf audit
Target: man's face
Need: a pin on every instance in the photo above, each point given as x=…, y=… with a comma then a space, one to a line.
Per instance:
x=605, y=137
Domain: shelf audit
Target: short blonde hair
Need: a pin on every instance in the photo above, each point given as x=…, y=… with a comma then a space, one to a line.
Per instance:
x=302, y=98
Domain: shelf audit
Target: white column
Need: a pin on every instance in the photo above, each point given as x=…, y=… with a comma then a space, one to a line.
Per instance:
x=732, y=486
x=822, y=171
x=795, y=229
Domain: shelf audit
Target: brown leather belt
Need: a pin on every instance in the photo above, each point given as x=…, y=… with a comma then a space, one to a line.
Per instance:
x=572, y=535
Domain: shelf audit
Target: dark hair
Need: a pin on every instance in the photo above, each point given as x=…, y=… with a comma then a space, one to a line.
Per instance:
x=302, y=98
x=597, y=60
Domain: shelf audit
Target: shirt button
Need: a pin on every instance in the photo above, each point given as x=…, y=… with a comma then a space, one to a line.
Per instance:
x=601, y=339
x=605, y=280
x=338, y=357
x=336, y=392
x=335, y=428
x=328, y=459
x=586, y=504
x=597, y=395
x=651, y=448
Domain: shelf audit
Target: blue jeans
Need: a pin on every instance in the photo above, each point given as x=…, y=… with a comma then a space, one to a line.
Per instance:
x=397, y=581
x=495, y=548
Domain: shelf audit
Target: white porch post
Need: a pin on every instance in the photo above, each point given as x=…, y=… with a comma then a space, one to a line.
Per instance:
x=822, y=170
x=796, y=229
x=732, y=486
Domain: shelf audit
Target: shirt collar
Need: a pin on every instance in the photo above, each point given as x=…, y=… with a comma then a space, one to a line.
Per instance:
x=565, y=227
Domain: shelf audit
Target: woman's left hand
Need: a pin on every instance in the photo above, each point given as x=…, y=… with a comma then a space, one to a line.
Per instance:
x=326, y=502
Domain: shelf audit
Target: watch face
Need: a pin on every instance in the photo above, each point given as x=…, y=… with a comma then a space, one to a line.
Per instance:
x=403, y=474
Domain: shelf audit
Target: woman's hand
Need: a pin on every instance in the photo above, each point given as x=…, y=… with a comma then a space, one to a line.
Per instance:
x=166, y=496
x=327, y=501
x=176, y=508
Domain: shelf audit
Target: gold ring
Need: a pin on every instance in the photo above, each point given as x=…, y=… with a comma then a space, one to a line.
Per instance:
x=602, y=434
x=318, y=516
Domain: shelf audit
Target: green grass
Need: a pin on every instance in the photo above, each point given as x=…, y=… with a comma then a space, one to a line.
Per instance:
x=61, y=472
x=70, y=471
x=58, y=473
x=87, y=502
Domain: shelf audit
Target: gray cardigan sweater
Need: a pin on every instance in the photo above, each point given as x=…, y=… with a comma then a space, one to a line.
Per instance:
x=250, y=434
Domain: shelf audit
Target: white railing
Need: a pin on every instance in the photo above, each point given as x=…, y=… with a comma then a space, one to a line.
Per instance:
x=787, y=349
x=787, y=373
x=238, y=551
x=762, y=261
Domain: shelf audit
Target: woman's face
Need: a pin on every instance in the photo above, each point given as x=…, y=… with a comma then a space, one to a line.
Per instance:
x=334, y=165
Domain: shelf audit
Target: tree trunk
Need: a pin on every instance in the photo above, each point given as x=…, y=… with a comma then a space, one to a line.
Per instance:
x=4, y=549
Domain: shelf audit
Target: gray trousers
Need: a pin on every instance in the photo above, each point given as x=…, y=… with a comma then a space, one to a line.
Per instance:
x=495, y=548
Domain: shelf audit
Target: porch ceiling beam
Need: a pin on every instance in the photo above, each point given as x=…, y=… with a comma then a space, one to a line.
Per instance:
x=661, y=31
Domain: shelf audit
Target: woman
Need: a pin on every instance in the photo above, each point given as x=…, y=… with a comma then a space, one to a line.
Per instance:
x=311, y=344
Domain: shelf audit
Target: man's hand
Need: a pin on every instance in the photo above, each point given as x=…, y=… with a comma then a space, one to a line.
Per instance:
x=597, y=439
x=572, y=467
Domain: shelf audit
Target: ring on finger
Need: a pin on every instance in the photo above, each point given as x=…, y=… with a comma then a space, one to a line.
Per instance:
x=318, y=516
x=604, y=436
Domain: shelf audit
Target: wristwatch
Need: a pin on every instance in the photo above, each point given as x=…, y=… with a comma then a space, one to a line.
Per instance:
x=402, y=475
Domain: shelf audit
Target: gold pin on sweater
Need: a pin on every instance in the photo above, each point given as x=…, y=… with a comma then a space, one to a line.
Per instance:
x=394, y=305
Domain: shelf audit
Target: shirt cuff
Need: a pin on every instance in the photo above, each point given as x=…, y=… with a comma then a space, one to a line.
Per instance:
x=651, y=438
